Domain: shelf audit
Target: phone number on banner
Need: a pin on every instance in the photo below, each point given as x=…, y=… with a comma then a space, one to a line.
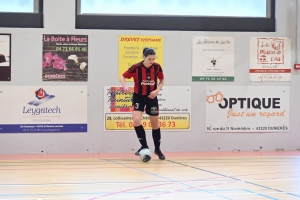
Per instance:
x=123, y=121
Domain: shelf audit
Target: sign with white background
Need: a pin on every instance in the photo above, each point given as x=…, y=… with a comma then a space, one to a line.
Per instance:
x=247, y=108
x=213, y=59
x=270, y=59
x=43, y=109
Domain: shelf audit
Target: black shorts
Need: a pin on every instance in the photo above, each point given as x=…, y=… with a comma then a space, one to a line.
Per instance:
x=139, y=102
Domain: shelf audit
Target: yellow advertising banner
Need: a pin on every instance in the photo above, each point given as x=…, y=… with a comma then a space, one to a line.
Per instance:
x=123, y=121
x=174, y=109
x=131, y=50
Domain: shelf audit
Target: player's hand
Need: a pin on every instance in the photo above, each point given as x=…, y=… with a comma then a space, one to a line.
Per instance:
x=153, y=94
x=126, y=89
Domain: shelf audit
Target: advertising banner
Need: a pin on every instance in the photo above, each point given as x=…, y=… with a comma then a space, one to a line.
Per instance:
x=131, y=51
x=65, y=58
x=213, y=59
x=270, y=59
x=247, y=108
x=29, y=109
x=174, y=109
x=5, y=57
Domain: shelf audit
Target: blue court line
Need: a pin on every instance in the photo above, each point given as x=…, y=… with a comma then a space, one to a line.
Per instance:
x=233, y=178
x=260, y=194
x=248, y=191
x=166, y=178
x=293, y=194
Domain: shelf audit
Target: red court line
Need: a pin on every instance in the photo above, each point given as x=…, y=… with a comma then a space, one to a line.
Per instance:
x=150, y=186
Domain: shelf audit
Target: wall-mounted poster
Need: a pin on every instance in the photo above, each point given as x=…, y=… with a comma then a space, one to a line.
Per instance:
x=65, y=58
x=174, y=109
x=41, y=109
x=5, y=57
x=131, y=51
x=247, y=108
x=213, y=59
x=270, y=59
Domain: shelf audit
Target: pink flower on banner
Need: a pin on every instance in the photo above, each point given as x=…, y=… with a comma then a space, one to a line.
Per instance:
x=48, y=56
x=56, y=61
x=46, y=63
x=56, y=57
x=60, y=64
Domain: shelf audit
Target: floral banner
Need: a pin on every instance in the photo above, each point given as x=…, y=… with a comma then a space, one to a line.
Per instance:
x=65, y=58
x=5, y=57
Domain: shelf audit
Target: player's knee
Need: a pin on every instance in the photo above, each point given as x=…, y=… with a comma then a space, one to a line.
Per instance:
x=155, y=125
x=137, y=121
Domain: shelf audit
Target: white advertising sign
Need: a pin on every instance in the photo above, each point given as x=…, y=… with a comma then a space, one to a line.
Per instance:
x=270, y=59
x=247, y=108
x=43, y=109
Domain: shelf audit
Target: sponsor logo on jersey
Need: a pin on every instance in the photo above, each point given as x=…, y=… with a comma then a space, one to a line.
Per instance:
x=148, y=82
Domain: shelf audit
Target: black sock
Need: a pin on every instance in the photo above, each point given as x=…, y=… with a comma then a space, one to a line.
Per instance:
x=156, y=138
x=141, y=134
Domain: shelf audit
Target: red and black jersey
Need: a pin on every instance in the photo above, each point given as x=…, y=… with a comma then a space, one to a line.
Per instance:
x=145, y=79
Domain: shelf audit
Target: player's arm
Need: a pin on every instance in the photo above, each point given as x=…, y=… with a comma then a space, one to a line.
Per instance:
x=123, y=82
x=154, y=93
x=128, y=74
x=161, y=78
x=160, y=84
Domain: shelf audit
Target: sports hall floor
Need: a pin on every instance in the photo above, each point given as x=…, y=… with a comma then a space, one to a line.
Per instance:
x=183, y=176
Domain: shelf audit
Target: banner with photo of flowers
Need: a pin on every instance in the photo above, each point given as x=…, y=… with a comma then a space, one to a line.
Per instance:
x=5, y=57
x=65, y=57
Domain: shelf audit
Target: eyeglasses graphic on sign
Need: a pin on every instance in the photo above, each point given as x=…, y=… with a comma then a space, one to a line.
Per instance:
x=218, y=97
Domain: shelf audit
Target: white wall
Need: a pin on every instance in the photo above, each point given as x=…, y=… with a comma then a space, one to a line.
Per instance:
x=59, y=18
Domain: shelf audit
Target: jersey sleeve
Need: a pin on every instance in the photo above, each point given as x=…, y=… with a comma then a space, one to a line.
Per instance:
x=160, y=73
x=129, y=73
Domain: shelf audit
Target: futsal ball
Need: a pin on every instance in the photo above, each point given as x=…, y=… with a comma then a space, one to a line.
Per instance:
x=145, y=155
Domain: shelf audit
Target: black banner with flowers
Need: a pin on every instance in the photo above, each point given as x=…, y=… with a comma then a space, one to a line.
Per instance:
x=5, y=57
x=65, y=58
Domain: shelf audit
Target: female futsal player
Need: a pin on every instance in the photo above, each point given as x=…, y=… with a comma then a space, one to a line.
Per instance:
x=146, y=89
